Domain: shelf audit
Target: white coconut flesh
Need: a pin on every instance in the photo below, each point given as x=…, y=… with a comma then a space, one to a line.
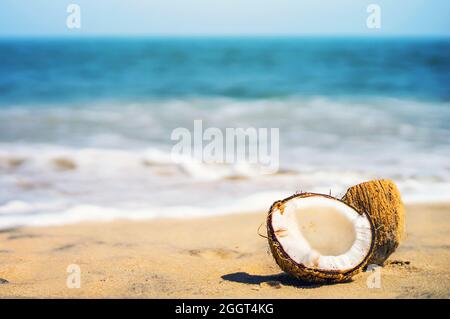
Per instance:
x=322, y=233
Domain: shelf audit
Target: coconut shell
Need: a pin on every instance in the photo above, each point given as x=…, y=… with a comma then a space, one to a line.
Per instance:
x=300, y=271
x=381, y=200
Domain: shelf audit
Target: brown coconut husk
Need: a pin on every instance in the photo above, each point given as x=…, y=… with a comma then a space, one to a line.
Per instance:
x=300, y=271
x=381, y=200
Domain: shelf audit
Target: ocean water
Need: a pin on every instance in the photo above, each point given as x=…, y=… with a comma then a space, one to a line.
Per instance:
x=85, y=124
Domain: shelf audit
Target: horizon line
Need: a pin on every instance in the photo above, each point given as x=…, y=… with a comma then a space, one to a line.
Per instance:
x=225, y=35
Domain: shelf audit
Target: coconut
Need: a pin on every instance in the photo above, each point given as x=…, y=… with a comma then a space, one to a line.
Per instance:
x=319, y=238
x=381, y=200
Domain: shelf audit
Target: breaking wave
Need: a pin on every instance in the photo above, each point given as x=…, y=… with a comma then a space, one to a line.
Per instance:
x=107, y=161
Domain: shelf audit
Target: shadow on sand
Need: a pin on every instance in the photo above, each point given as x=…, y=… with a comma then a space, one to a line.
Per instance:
x=282, y=278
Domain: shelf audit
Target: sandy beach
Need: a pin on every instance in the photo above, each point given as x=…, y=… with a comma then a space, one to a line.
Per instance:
x=216, y=257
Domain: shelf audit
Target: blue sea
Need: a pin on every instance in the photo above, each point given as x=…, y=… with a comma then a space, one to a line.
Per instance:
x=85, y=123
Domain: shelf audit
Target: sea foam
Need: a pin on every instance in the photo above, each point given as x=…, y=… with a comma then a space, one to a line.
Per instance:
x=108, y=161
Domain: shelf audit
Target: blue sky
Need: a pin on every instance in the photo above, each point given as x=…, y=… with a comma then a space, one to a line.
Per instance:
x=224, y=17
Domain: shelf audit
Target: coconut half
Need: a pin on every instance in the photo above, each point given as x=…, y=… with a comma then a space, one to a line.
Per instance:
x=318, y=238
